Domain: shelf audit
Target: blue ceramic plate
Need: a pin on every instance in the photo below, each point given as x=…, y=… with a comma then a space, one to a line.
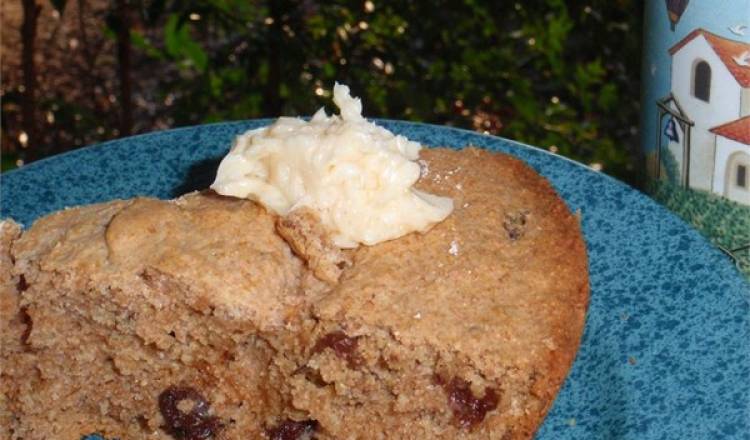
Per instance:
x=666, y=349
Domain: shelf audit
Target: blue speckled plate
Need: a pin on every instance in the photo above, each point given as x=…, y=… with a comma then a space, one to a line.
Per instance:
x=666, y=350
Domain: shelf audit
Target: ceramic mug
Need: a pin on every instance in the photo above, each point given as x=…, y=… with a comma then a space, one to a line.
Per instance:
x=695, y=126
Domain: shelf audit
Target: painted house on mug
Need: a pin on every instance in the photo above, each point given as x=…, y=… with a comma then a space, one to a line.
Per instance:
x=706, y=117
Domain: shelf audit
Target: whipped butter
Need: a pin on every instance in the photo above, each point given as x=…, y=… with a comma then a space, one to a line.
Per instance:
x=356, y=175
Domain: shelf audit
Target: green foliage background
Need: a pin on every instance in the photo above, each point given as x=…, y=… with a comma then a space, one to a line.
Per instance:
x=558, y=74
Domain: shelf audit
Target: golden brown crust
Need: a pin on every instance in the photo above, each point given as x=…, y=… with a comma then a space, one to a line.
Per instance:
x=508, y=305
x=130, y=297
x=310, y=241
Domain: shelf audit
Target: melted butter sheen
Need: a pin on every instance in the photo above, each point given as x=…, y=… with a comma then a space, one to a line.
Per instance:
x=356, y=175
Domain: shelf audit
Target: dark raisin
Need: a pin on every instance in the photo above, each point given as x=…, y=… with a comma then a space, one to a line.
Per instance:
x=293, y=430
x=515, y=224
x=344, y=346
x=27, y=321
x=196, y=424
x=22, y=285
x=468, y=410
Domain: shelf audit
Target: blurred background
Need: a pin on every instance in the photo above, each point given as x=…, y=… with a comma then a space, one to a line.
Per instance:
x=562, y=75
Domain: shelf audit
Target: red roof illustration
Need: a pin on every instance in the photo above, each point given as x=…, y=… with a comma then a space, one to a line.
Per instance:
x=725, y=49
x=737, y=130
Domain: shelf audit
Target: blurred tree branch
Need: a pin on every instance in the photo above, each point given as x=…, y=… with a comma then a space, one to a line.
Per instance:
x=272, y=104
x=31, y=12
x=124, y=50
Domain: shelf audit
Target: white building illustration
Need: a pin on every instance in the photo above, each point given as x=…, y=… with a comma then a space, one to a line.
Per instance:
x=706, y=118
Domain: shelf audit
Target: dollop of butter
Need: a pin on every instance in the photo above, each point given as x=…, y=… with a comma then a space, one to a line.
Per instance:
x=356, y=175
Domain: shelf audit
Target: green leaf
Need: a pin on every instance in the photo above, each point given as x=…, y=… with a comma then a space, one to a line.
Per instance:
x=215, y=83
x=109, y=33
x=608, y=97
x=140, y=42
x=181, y=46
x=172, y=36
x=195, y=54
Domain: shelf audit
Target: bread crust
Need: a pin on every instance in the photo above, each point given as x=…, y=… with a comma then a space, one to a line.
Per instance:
x=125, y=299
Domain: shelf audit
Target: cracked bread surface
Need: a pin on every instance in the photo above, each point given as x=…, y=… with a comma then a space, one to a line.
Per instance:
x=465, y=331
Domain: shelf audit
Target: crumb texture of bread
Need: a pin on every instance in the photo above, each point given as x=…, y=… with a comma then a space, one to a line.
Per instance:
x=308, y=239
x=207, y=317
x=12, y=322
